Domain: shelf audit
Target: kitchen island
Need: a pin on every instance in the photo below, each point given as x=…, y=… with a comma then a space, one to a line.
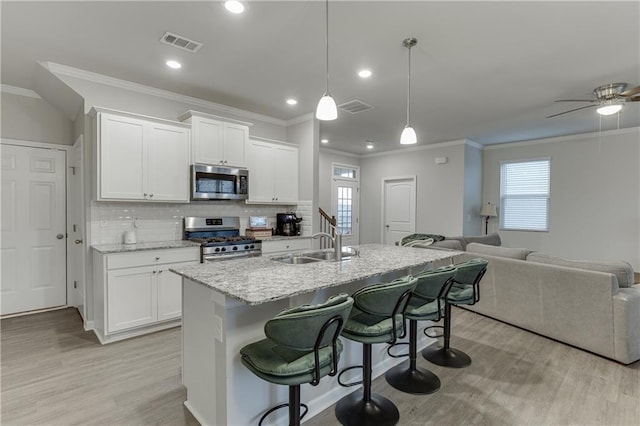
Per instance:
x=226, y=304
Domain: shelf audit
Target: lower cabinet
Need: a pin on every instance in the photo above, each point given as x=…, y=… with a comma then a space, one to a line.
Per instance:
x=279, y=246
x=136, y=293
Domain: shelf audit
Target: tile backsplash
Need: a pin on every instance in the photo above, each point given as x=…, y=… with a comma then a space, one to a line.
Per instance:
x=164, y=221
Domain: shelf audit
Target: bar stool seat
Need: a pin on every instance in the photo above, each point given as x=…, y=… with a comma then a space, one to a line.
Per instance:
x=376, y=317
x=465, y=290
x=426, y=303
x=301, y=346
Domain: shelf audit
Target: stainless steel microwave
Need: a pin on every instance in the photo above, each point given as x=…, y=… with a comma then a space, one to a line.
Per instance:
x=219, y=183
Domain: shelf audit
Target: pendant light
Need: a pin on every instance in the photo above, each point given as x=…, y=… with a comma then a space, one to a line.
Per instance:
x=408, y=136
x=327, y=109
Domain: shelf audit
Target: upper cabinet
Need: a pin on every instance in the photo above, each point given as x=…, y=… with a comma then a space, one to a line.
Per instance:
x=140, y=158
x=217, y=141
x=273, y=172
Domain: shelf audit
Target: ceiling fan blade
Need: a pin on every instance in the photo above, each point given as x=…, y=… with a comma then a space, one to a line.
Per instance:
x=571, y=110
x=631, y=92
x=575, y=100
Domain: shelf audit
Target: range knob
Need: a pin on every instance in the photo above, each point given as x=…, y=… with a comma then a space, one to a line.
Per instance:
x=223, y=249
x=252, y=246
x=217, y=249
x=235, y=247
x=246, y=247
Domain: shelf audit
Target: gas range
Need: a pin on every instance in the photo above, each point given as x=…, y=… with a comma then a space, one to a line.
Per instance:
x=220, y=238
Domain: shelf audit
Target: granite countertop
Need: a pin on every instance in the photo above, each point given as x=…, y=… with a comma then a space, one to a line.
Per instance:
x=259, y=280
x=158, y=245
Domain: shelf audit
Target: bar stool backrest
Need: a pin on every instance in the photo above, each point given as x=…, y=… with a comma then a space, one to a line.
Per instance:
x=431, y=284
x=470, y=272
x=381, y=299
x=298, y=328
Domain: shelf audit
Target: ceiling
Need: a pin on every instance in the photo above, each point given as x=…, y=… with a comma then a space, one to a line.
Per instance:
x=485, y=71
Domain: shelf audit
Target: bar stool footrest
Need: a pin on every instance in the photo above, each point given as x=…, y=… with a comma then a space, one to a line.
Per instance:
x=346, y=385
x=277, y=407
x=397, y=355
x=436, y=335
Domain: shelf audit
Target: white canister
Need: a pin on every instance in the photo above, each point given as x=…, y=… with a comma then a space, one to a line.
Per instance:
x=130, y=237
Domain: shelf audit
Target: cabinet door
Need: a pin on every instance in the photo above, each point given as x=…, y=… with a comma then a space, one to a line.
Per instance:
x=285, y=174
x=122, y=158
x=131, y=298
x=168, y=163
x=236, y=137
x=207, y=141
x=260, y=171
x=169, y=294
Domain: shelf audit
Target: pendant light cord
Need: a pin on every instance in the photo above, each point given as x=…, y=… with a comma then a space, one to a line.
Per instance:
x=327, y=40
x=409, y=88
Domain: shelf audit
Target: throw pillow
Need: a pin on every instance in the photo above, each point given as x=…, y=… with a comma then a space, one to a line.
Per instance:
x=511, y=253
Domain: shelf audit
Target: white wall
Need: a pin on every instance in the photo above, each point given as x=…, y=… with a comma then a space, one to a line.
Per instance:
x=472, y=204
x=594, y=210
x=32, y=119
x=440, y=187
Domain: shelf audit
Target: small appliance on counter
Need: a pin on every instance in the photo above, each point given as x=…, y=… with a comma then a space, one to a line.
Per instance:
x=129, y=237
x=288, y=224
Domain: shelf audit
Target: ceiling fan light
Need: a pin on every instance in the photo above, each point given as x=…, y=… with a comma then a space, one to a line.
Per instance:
x=408, y=136
x=609, y=109
x=327, y=109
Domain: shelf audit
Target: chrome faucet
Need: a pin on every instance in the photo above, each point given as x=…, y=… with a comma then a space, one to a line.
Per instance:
x=335, y=240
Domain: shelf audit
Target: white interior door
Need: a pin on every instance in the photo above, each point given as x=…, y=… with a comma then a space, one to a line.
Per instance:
x=75, y=226
x=33, y=243
x=399, y=208
x=345, y=202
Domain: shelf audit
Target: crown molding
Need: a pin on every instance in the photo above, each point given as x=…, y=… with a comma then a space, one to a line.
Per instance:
x=341, y=153
x=161, y=93
x=421, y=148
x=301, y=119
x=574, y=137
x=13, y=90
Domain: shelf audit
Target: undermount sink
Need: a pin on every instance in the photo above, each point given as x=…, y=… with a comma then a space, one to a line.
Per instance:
x=295, y=260
x=315, y=256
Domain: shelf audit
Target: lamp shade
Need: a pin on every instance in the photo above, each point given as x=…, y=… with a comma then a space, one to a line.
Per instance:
x=489, y=210
x=327, y=108
x=408, y=136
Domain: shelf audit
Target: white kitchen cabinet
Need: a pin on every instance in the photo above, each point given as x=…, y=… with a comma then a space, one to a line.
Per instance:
x=289, y=245
x=135, y=293
x=215, y=141
x=140, y=158
x=273, y=173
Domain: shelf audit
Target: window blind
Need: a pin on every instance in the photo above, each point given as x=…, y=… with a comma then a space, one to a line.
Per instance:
x=524, y=195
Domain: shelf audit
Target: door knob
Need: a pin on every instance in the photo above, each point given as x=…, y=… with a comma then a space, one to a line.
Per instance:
x=78, y=241
x=60, y=236
x=386, y=226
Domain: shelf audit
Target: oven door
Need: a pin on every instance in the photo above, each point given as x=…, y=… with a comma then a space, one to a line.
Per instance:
x=219, y=183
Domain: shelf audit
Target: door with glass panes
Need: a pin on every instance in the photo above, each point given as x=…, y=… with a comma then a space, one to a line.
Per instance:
x=345, y=200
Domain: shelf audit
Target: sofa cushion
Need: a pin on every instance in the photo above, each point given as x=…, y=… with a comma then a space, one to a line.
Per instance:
x=622, y=270
x=491, y=239
x=511, y=253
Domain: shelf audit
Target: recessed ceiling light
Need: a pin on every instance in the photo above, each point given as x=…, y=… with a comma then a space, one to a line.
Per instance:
x=234, y=6
x=174, y=64
x=324, y=140
x=292, y=101
x=369, y=145
x=364, y=73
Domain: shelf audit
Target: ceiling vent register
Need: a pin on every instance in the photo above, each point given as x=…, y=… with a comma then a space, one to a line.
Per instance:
x=180, y=42
x=355, y=106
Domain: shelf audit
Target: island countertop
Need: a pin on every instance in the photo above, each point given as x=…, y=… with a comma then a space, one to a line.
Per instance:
x=259, y=280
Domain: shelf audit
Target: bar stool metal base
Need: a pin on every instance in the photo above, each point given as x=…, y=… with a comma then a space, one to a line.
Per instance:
x=353, y=410
x=446, y=357
x=414, y=381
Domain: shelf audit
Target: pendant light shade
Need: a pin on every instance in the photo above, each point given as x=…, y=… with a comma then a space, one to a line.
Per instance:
x=408, y=136
x=327, y=108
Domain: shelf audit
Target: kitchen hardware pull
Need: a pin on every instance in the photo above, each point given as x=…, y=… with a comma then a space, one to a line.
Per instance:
x=60, y=236
x=145, y=195
x=157, y=257
x=78, y=241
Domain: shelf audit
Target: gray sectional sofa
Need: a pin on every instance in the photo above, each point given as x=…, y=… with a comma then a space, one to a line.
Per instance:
x=591, y=305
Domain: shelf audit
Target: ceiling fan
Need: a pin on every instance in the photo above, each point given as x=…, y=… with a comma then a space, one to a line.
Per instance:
x=609, y=99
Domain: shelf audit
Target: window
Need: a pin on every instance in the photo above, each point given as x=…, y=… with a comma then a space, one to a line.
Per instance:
x=345, y=210
x=524, y=195
x=344, y=172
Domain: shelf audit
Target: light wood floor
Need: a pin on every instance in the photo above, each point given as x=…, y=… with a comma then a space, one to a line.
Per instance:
x=54, y=373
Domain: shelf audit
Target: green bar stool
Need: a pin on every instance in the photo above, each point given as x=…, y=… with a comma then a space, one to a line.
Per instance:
x=302, y=346
x=464, y=291
x=426, y=303
x=376, y=317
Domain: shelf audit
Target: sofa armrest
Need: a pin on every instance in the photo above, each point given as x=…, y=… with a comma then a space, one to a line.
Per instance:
x=626, y=324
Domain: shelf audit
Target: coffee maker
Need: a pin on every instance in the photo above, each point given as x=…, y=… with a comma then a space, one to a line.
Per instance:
x=287, y=224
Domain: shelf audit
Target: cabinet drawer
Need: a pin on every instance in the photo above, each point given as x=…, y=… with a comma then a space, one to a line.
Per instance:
x=153, y=257
x=269, y=247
